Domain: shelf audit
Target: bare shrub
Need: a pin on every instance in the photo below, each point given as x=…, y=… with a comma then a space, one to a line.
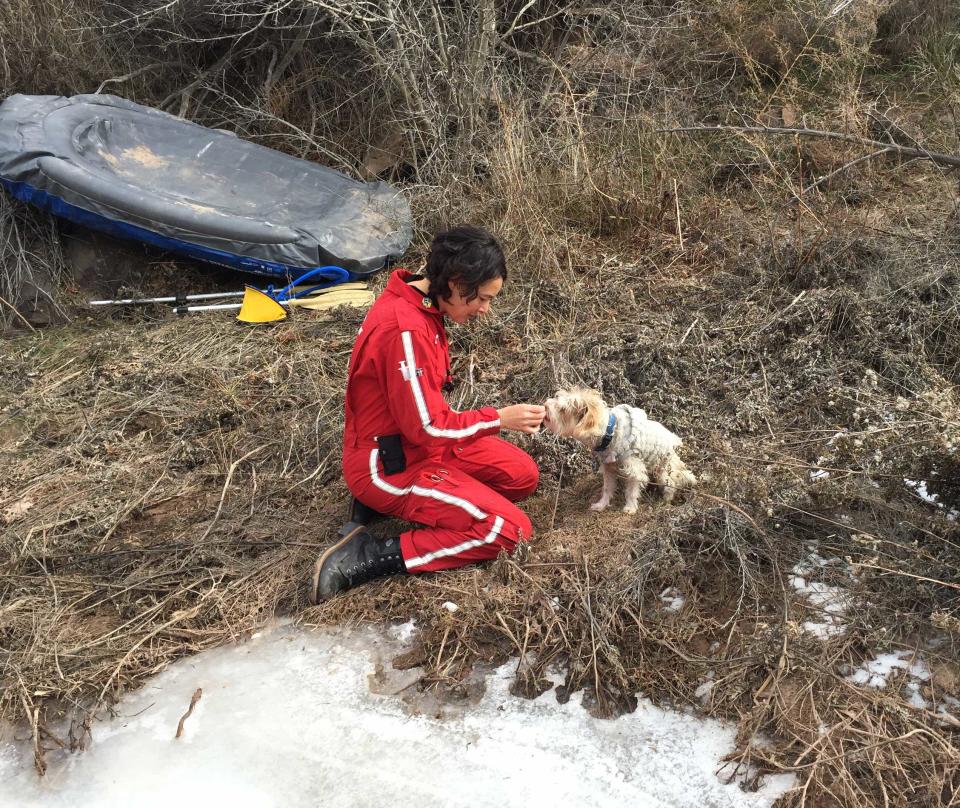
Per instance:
x=51, y=46
x=32, y=265
x=909, y=27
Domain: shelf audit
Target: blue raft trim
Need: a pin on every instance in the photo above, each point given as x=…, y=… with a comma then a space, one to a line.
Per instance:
x=64, y=210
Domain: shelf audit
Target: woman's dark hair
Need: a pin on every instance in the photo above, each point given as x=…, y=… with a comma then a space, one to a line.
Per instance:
x=467, y=255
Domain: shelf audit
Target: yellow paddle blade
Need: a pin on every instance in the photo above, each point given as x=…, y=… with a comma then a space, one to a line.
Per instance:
x=258, y=307
x=360, y=298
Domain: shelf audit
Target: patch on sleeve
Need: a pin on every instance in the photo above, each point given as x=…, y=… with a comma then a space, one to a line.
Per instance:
x=407, y=372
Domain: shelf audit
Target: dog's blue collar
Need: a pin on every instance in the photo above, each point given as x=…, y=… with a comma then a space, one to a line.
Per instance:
x=608, y=435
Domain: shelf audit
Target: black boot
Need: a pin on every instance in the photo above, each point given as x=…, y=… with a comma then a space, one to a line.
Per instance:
x=363, y=514
x=357, y=558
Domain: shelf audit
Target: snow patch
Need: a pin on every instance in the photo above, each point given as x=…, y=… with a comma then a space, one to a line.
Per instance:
x=919, y=487
x=875, y=672
x=819, y=473
x=832, y=602
x=705, y=688
x=672, y=599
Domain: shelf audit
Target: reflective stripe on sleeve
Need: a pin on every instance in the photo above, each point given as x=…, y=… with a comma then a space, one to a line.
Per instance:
x=421, y=402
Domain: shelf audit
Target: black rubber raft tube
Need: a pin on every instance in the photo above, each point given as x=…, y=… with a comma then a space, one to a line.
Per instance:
x=140, y=173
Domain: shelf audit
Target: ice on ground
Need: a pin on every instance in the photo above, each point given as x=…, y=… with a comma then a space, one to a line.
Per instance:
x=288, y=719
x=832, y=602
x=403, y=632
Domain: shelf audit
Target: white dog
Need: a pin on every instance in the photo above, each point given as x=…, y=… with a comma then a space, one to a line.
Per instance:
x=624, y=441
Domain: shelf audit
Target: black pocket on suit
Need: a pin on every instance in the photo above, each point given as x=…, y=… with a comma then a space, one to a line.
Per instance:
x=391, y=454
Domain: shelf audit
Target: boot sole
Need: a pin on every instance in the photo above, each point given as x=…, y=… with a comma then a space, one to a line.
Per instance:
x=315, y=579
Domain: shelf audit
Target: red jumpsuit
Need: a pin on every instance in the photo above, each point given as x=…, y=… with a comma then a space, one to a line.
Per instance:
x=461, y=480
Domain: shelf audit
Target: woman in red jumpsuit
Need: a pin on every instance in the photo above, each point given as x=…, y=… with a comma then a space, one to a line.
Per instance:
x=406, y=453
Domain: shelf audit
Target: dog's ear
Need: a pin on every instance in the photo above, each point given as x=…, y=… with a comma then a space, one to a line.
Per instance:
x=593, y=408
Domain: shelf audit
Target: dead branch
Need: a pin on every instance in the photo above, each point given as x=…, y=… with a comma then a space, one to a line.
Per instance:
x=951, y=160
x=185, y=93
x=134, y=73
x=16, y=312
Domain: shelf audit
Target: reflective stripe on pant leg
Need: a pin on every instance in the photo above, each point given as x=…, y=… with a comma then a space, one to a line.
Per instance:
x=460, y=548
x=438, y=532
x=420, y=491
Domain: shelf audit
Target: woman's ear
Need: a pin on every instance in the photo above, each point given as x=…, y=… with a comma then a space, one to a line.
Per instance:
x=457, y=285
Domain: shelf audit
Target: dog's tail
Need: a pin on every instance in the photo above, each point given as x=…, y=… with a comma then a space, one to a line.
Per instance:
x=679, y=478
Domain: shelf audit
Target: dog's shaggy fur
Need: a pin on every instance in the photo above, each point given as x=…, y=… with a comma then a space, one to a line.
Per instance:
x=640, y=450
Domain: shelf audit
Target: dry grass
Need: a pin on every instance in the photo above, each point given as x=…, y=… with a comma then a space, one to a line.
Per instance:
x=168, y=483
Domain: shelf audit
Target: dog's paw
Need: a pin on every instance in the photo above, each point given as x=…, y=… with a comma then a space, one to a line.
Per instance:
x=631, y=509
x=599, y=505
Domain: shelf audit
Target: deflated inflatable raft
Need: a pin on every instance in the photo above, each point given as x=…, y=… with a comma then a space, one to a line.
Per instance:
x=135, y=172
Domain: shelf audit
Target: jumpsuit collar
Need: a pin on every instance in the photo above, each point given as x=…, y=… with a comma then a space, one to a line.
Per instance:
x=398, y=285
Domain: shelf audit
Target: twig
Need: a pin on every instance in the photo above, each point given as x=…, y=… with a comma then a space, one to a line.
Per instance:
x=525, y=54
x=840, y=170
x=33, y=714
x=951, y=160
x=556, y=499
x=133, y=74
x=593, y=638
x=276, y=71
x=185, y=92
x=17, y=312
x=223, y=493
x=193, y=701
x=730, y=505
x=183, y=614
x=127, y=511
x=676, y=202
x=906, y=574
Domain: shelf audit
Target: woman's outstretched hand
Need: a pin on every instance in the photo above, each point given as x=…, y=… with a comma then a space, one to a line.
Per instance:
x=522, y=417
